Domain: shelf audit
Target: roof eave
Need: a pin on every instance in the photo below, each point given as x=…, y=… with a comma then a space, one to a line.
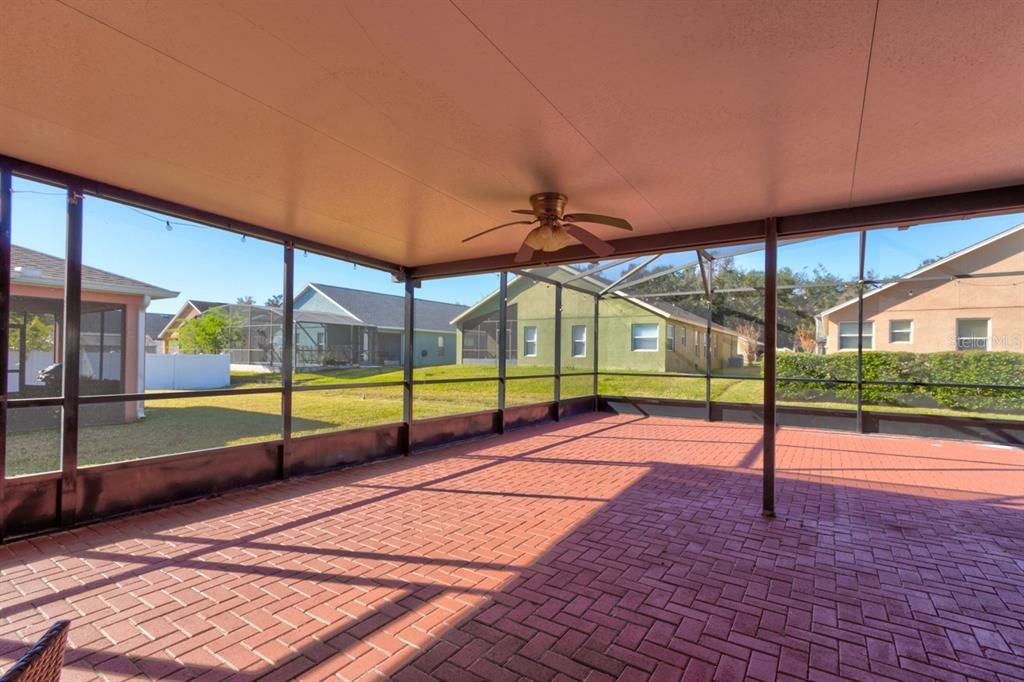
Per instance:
x=51, y=283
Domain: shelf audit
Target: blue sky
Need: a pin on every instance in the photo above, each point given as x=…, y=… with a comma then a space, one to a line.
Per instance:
x=210, y=264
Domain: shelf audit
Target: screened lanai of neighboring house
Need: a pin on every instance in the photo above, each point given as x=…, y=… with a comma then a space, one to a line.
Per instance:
x=684, y=345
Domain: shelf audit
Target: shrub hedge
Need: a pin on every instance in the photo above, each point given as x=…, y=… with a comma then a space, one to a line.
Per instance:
x=955, y=367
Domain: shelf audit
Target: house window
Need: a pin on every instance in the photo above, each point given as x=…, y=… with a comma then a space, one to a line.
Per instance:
x=645, y=337
x=901, y=331
x=973, y=334
x=670, y=337
x=440, y=345
x=579, y=341
x=848, y=335
x=530, y=342
x=682, y=337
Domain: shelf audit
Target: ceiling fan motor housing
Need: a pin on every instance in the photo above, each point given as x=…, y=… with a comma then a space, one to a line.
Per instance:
x=549, y=204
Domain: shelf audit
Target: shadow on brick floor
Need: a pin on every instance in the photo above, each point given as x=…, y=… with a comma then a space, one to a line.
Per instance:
x=667, y=569
x=679, y=575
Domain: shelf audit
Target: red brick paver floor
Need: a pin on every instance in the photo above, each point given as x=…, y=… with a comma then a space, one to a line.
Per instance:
x=601, y=548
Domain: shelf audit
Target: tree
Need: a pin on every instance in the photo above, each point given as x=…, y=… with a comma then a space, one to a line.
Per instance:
x=275, y=301
x=801, y=295
x=246, y=300
x=804, y=340
x=750, y=332
x=211, y=333
x=38, y=335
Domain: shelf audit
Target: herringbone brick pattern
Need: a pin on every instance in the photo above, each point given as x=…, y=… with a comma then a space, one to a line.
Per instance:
x=602, y=548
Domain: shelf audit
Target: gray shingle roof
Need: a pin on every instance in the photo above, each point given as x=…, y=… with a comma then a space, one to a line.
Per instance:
x=155, y=323
x=387, y=310
x=203, y=306
x=28, y=265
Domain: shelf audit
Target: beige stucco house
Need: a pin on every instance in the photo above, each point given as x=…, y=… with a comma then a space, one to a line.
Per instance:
x=112, y=334
x=970, y=300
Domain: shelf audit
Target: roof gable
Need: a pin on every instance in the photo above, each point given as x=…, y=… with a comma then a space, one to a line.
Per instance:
x=203, y=306
x=313, y=305
x=930, y=268
x=189, y=308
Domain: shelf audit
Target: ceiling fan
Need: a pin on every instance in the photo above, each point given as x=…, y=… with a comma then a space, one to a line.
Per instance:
x=555, y=229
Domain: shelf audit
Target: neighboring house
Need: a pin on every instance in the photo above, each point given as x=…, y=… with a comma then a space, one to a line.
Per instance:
x=155, y=323
x=337, y=326
x=970, y=300
x=334, y=327
x=634, y=334
x=113, y=328
x=190, y=309
x=258, y=342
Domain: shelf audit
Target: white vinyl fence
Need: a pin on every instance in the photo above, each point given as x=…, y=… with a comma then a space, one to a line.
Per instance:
x=171, y=372
x=35, y=361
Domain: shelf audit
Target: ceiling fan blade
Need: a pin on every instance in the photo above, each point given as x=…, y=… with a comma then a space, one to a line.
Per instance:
x=525, y=253
x=497, y=227
x=595, y=244
x=620, y=223
x=526, y=211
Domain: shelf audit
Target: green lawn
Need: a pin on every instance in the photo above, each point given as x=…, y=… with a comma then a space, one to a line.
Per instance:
x=184, y=424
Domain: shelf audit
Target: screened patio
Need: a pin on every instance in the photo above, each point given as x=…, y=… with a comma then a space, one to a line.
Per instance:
x=763, y=421
x=734, y=286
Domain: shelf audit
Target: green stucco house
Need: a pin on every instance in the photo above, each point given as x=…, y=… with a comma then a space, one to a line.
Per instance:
x=634, y=334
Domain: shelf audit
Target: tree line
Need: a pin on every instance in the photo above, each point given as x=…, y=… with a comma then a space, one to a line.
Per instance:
x=737, y=298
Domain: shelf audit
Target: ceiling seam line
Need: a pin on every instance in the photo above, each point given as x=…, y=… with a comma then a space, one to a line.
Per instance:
x=864, y=101
x=443, y=145
x=272, y=108
x=333, y=75
x=554, y=106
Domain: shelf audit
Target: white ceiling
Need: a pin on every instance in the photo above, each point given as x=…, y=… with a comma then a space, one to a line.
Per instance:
x=394, y=129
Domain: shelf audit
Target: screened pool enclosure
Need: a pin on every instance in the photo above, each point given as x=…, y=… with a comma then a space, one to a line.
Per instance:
x=862, y=325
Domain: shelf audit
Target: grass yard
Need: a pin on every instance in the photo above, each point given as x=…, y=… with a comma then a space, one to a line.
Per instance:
x=184, y=424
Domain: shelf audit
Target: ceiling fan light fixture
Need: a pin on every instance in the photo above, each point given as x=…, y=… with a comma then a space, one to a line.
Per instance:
x=536, y=239
x=560, y=239
x=548, y=237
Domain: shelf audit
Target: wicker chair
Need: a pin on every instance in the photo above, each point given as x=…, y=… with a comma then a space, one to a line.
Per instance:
x=44, y=660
